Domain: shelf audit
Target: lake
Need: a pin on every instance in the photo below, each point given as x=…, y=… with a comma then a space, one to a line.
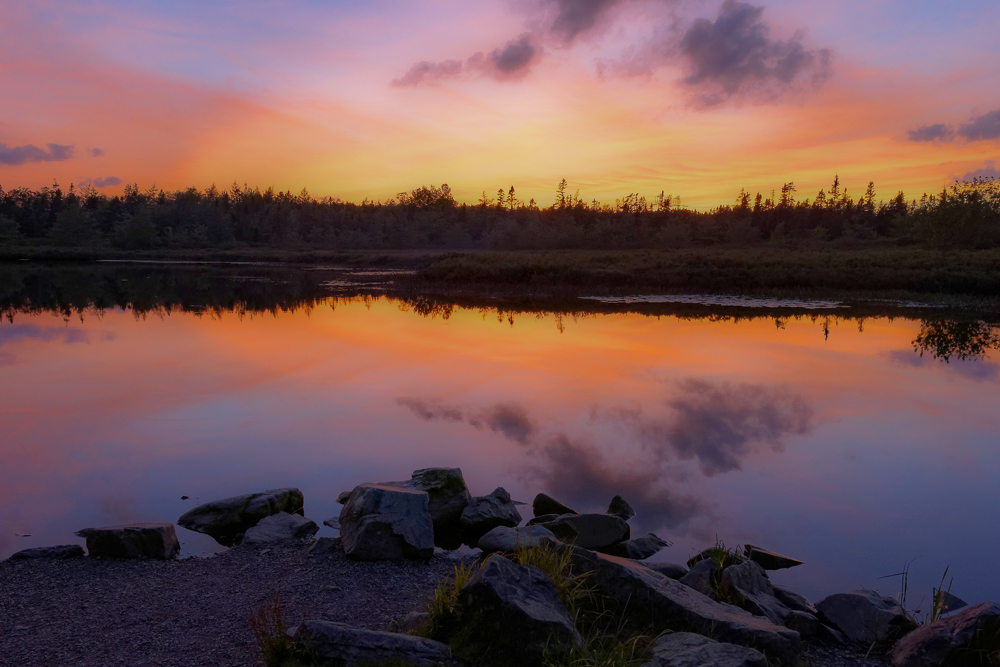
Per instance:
x=855, y=439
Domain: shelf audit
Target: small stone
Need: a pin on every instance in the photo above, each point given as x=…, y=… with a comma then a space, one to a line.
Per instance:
x=638, y=548
x=184, y=497
x=50, y=553
x=546, y=504
x=508, y=540
x=281, y=527
x=619, y=507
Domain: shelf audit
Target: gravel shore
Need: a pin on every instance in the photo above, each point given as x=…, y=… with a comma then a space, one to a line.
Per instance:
x=89, y=612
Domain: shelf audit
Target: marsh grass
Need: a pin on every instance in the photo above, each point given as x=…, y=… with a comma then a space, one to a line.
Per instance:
x=442, y=605
x=267, y=624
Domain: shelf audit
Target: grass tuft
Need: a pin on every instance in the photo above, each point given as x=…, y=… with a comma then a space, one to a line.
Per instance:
x=442, y=606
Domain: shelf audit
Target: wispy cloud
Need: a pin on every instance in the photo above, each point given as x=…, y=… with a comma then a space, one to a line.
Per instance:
x=508, y=419
x=18, y=155
x=511, y=61
x=978, y=128
x=988, y=170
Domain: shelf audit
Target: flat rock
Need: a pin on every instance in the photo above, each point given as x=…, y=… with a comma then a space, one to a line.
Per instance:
x=386, y=523
x=228, y=519
x=545, y=504
x=137, y=540
x=619, y=507
x=952, y=640
x=686, y=649
x=448, y=496
x=865, y=617
x=769, y=560
x=667, y=603
x=281, y=527
x=508, y=540
x=590, y=531
x=332, y=522
x=50, y=553
x=350, y=647
x=484, y=513
x=637, y=548
x=512, y=611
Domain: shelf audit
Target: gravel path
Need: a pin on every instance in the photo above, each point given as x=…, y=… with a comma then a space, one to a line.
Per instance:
x=89, y=612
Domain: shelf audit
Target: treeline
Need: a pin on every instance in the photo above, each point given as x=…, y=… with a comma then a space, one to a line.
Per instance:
x=967, y=215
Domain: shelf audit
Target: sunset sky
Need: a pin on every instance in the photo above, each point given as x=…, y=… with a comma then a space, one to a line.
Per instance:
x=367, y=99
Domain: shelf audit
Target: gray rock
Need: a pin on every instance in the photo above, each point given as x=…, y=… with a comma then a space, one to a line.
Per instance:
x=544, y=518
x=343, y=496
x=325, y=546
x=228, y=519
x=514, y=612
x=666, y=603
x=349, y=646
x=137, y=540
x=508, y=540
x=332, y=522
x=590, y=531
x=747, y=586
x=386, y=523
x=686, y=649
x=794, y=601
x=769, y=560
x=50, y=553
x=969, y=635
x=638, y=548
x=545, y=504
x=281, y=527
x=703, y=577
x=670, y=570
x=865, y=617
x=484, y=513
x=619, y=507
x=448, y=497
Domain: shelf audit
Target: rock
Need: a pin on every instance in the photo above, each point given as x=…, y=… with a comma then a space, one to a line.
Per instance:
x=619, y=507
x=794, y=601
x=413, y=622
x=769, y=560
x=508, y=540
x=865, y=617
x=332, y=522
x=670, y=570
x=448, y=497
x=343, y=496
x=386, y=523
x=830, y=636
x=484, y=513
x=590, y=531
x=138, y=540
x=228, y=519
x=638, y=548
x=665, y=603
x=703, y=577
x=325, y=546
x=544, y=504
x=686, y=649
x=512, y=611
x=747, y=586
x=349, y=646
x=281, y=527
x=972, y=633
x=544, y=518
x=50, y=553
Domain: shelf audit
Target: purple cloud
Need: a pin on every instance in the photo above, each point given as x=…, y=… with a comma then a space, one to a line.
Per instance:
x=935, y=132
x=18, y=155
x=429, y=72
x=982, y=128
x=95, y=152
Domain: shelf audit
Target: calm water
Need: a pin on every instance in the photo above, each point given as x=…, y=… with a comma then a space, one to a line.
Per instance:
x=818, y=435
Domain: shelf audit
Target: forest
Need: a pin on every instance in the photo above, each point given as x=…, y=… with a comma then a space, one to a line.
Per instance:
x=964, y=216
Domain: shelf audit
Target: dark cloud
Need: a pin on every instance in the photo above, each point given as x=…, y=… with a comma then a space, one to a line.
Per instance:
x=734, y=54
x=95, y=152
x=576, y=16
x=935, y=132
x=107, y=182
x=429, y=72
x=988, y=171
x=507, y=419
x=18, y=155
x=980, y=128
x=971, y=369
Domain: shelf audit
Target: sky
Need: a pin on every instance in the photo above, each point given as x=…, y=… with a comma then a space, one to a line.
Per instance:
x=695, y=98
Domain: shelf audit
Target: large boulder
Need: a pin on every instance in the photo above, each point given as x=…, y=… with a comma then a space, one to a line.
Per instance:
x=769, y=560
x=484, y=513
x=686, y=649
x=965, y=638
x=386, y=523
x=619, y=507
x=228, y=519
x=545, y=504
x=448, y=497
x=590, y=531
x=508, y=540
x=137, y=540
x=747, y=586
x=865, y=617
x=346, y=646
x=512, y=611
x=638, y=548
x=281, y=527
x=50, y=553
x=665, y=603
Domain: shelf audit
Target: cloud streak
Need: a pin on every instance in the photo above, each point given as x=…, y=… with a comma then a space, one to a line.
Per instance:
x=574, y=17
x=507, y=419
x=978, y=128
x=511, y=61
x=18, y=155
